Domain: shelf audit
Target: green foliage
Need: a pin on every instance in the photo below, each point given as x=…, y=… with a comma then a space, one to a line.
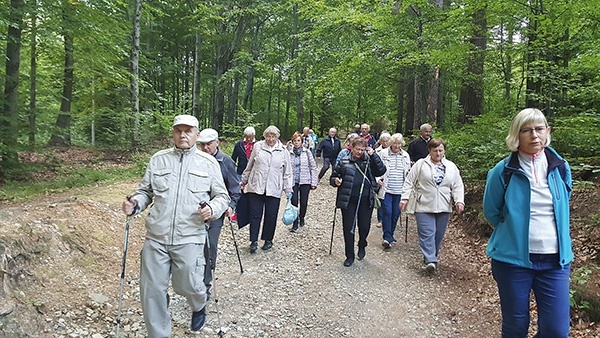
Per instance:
x=477, y=147
x=575, y=136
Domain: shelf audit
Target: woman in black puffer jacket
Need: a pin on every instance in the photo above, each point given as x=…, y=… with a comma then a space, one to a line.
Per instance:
x=354, y=176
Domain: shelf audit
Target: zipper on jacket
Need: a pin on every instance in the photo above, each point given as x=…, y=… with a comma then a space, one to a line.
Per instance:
x=177, y=197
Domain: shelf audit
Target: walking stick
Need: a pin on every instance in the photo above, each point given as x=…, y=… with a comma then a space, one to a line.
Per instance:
x=406, y=230
x=332, y=228
x=237, y=251
x=126, y=243
x=213, y=266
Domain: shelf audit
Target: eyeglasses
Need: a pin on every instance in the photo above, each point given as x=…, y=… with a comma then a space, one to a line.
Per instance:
x=538, y=130
x=359, y=149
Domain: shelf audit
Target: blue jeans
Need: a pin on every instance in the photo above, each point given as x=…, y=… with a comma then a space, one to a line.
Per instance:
x=390, y=213
x=550, y=284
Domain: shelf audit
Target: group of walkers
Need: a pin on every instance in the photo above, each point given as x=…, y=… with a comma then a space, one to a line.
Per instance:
x=193, y=189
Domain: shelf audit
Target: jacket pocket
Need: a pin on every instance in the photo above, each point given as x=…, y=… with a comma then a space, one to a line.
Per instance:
x=160, y=180
x=198, y=181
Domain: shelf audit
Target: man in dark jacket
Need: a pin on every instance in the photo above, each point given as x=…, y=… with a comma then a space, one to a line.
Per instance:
x=417, y=149
x=209, y=143
x=329, y=147
x=354, y=176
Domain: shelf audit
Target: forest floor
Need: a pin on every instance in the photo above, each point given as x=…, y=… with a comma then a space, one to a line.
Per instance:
x=61, y=255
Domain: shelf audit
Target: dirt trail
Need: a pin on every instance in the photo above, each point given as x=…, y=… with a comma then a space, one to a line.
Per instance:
x=294, y=290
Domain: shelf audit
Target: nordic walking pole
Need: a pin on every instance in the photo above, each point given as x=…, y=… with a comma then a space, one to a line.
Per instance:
x=332, y=229
x=126, y=243
x=406, y=230
x=213, y=267
x=237, y=251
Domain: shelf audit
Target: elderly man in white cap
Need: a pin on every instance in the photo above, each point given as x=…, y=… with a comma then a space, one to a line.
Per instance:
x=209, y=143
x=184, y=188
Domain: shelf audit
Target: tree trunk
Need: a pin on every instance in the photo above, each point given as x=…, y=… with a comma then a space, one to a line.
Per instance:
x=533, y=85
x=400, y=106
x=33, y=75
x=471, y=96
x=62, y=133
x=433, y=100
x=135, y=73
x=197, y=73
x=10, y=109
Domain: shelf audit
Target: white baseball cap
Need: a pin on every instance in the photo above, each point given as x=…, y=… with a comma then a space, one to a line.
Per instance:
x=208, y=135
x=188, y=120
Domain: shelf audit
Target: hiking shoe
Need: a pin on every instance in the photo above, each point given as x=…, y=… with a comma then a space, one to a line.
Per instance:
x=430, y=267
x=385, y=244
x=301, y=222
x=198, y=319
x=294, y=228
x=361, y=253
x=253, y=246
x=348, y=262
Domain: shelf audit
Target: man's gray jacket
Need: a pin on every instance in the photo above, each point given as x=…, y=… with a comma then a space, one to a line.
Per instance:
x=177, y=181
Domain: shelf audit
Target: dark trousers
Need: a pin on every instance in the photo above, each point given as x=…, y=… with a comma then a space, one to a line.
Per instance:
x=300, y=191
x=326, y=164
x=268, y=205
x=363, y=220
x=550, y=284
x=210, y=250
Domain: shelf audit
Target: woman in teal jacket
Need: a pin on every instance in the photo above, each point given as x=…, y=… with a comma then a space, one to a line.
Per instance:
x=526, y=200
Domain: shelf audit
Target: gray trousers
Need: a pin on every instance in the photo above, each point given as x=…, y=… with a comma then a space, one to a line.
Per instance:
x=185, y=265
x=431, y=228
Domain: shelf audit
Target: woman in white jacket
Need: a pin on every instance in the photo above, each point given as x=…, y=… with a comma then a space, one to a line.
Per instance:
x=397, y=162
x=267, y=175
x=437, y=185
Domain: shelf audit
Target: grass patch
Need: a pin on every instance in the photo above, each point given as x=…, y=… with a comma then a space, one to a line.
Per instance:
x=65, y=179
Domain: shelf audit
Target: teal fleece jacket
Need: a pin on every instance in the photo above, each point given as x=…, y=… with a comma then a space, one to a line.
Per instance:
x=508, y=209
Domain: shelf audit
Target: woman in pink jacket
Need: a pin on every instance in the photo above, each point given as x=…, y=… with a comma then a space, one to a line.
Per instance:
x=267, y=175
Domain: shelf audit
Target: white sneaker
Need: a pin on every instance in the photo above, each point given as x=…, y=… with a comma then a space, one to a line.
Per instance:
x=385, y=244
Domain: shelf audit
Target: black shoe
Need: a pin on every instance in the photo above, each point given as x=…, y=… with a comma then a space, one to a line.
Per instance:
x=348, y=262
x=253, y=246
x=207, y=293
x=361, y=253
x=301, y=222
x=198, y=319
x=268, y=245
x=294, y=228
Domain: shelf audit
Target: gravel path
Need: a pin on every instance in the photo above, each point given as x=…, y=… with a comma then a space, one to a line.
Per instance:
x=297, y=289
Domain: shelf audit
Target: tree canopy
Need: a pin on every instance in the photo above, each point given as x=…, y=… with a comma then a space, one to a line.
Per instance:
x=114, y=73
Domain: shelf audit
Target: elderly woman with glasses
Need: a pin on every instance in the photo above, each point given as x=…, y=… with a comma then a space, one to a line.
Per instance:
x=354, y=178
x=267, y=175
x=526, y=200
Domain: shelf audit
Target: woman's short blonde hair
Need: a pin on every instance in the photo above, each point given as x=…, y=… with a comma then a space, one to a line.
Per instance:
x=526, y=115
x=271, y=130
x=397, y=138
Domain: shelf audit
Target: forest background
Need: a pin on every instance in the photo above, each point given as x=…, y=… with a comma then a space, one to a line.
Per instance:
x=112, y=74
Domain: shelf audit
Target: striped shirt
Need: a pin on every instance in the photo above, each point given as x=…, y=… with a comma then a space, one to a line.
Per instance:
x=395, y=173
